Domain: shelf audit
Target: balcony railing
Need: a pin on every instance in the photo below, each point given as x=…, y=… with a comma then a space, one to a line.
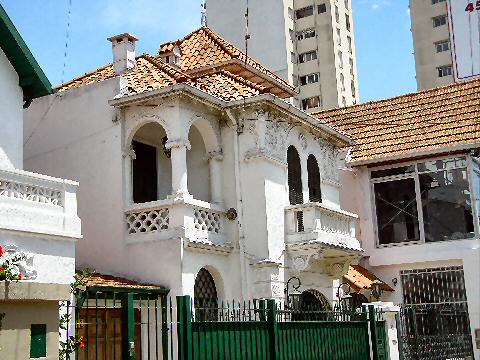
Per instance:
x=197, y=221
x=316, y=222
x=38, y=203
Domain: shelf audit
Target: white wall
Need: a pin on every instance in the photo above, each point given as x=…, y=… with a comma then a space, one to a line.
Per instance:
x=11, y=116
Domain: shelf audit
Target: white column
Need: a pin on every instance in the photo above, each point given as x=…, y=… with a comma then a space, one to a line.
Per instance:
x=179, y=166
x=214, y=160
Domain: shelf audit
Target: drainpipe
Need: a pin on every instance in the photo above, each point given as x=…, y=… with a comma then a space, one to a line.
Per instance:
x=238, y=189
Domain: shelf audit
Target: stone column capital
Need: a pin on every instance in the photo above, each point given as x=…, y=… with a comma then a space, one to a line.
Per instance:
x=214, y=155
x=178, y=143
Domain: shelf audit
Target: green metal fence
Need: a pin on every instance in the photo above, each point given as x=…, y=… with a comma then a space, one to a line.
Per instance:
x=264, y=330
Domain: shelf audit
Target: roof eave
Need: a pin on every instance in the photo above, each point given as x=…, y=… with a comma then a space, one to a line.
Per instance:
x=418, y=154
x=166, y=92
x=32, y=79
x=342, y=139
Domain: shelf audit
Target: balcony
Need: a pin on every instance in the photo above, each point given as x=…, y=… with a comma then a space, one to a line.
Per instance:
x=38, y=204
x=199, y=223
x=316, y=223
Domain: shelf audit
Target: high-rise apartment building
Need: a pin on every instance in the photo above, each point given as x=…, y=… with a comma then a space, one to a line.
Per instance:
x=431, y=43
x=308, y=42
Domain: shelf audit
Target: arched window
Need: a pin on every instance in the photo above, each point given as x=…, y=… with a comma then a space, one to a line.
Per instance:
x=295, y=193
x=205, y=295
x=314, y=191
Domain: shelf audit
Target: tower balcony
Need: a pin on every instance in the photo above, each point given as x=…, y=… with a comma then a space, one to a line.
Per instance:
x=200, y=224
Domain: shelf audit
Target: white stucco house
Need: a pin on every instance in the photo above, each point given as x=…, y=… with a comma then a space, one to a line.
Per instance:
x=38, y=217
x=196, y=175
x=413, y=179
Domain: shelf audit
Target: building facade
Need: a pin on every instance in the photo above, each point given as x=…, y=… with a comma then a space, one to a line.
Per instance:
x=431, y=43
x=414, y=173
x=196, y=176
x=310, y=43
x=39, y=225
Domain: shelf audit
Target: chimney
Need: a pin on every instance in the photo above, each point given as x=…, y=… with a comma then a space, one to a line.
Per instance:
x=123, y=48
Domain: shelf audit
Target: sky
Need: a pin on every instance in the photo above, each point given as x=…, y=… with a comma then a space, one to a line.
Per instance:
x=383, y=39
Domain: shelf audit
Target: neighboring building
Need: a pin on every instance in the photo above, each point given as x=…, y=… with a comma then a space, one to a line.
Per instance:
x=196, y=176
x=413, y=178
x=431, y=43
x=38, y=217
x=310, y=43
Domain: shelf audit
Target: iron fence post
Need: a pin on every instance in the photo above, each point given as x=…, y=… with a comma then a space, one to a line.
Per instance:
x=128, y=327
x=272, y=328
x=164, y=300
x=373, y=331
x=184, y=328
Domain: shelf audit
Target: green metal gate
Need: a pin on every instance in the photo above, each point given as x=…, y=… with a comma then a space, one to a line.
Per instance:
x=121, y=323
x=263, y=330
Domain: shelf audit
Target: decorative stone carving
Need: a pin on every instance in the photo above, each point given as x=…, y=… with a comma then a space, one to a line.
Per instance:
x=302, y=139
x=302, y=261
x=270, y=134
x=329, y=167
x=40, y=194
x=177, y=143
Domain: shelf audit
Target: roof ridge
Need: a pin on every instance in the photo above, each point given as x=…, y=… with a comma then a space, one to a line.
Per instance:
x=411, y=94
x=62, y=85
x=170, y=70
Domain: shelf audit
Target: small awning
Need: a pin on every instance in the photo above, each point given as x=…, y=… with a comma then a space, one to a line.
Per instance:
x=360, y=278
x=119, y=284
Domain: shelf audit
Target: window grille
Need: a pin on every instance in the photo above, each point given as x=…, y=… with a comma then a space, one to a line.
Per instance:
x=205, y=295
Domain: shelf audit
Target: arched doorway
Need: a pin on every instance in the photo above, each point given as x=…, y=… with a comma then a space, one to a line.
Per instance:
x=205, y=296
x=314, y=190
x=151, y=169
x=197, y=166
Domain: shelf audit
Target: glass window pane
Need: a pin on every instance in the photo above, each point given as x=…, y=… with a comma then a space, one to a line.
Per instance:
x=447, y=208
x=442, y=164
x=396, y=208
x=392, y=172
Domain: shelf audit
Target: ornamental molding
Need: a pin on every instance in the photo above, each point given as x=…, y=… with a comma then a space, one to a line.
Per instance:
x=303, y=260
x=270, y=136
x=328, y=164
x=214, y=155
x=178, y=143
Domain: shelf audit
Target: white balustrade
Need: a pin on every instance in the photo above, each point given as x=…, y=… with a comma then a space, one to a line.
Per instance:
x=322, y=223
x=196, y=221
x=38, y=203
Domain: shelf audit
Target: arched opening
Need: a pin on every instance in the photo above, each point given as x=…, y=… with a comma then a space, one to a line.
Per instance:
x=314, y=300
x=205, y=296
x=314, y=190
x=197, y=166
x=295, y=193
x=151, y=166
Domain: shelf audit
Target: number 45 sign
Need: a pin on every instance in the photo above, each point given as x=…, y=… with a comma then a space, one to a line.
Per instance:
x=464, y=22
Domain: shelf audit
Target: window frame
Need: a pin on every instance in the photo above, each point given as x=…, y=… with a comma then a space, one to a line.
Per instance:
x=441, y=43
x=305, y=9
x=415, y=176
x=444, y=71
x=444, y=16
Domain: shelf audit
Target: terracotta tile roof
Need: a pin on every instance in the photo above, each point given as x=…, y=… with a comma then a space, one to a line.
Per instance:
x=227, y=86
x=100, y=74
x=425, y=121
x=202, y=48
x=360, y=278
x=97, y=279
